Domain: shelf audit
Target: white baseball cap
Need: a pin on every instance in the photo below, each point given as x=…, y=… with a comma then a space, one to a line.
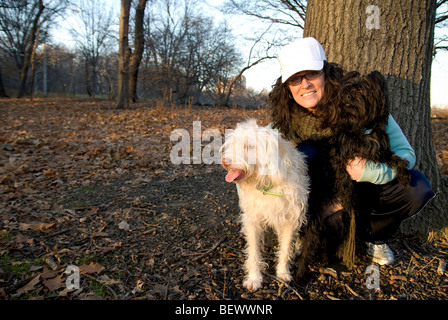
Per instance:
x=302, y=54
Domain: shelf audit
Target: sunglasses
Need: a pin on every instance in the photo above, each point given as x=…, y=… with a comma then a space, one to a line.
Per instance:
x=295, y=80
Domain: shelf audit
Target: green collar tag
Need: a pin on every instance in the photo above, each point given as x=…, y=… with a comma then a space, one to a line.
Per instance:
x=265, y=190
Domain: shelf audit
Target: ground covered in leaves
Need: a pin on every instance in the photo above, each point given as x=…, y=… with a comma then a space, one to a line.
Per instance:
x=84, y=185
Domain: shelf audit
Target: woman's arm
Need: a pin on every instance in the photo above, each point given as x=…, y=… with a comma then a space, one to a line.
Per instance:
x=381, y=173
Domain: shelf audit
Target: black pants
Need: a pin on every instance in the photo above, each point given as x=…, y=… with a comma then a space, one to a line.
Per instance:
x=380, y=209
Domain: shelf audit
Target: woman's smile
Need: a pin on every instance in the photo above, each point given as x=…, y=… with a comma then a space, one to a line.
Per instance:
x=309, y=92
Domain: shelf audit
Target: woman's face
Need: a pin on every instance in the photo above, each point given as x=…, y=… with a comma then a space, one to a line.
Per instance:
x=308, y=93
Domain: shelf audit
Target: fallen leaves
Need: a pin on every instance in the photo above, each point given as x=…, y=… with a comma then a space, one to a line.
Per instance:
x=54, y=283
x=29, y=286
x=36, y=226
x=53, y=280
x=74, y=184
x=91, y=268
x=85, y=185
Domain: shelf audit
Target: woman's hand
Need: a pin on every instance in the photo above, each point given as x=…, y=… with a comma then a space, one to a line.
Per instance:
x=355, y=168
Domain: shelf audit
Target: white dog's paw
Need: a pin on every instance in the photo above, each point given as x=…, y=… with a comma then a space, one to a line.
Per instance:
x=252, y=284
x=285, y=276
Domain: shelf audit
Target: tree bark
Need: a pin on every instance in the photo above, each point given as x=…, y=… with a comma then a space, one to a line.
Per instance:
x=395, y=38
x=30, y=91
x=124, y=53
x=139, y=45
x=88, y=78
x=29, y=51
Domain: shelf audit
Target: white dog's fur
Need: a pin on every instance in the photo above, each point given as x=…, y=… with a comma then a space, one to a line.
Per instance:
x=258, y=158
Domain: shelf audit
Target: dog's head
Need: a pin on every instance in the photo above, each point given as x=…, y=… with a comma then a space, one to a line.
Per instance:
x=363, y=101
x=250, y=151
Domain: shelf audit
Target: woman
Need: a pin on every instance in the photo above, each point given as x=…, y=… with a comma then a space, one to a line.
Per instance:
x=302, y=105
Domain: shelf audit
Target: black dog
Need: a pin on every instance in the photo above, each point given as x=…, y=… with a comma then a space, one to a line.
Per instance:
x=360, y=131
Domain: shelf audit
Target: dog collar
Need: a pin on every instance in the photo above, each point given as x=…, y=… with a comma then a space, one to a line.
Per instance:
x=265, y=191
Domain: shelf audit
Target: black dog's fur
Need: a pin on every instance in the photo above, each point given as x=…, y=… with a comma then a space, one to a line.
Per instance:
x=360, y=131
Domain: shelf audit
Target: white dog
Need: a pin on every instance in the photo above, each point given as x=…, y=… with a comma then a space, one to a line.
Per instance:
x=273, y=189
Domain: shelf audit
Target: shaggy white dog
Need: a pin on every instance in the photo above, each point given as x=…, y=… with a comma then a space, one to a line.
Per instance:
x=273, y=190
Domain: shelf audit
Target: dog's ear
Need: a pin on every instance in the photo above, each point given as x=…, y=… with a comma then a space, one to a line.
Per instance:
x=376, y=77
x=350, y=76
x=379, y=88
x=251, y=123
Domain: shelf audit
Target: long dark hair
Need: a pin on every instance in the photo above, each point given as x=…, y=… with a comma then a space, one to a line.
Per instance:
x=284, y=107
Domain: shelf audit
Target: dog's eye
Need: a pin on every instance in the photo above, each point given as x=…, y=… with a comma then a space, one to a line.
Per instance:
x=250, y=146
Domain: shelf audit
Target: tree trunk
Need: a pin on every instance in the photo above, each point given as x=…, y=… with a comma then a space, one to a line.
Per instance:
x=395, y=38
x=123, y=56
x=138, y=49
x=2, y=88
x=31, y=83
x=88, y=78
x=29, y=51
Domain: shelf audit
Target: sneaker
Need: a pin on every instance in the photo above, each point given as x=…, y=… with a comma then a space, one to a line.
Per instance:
x=381, y=253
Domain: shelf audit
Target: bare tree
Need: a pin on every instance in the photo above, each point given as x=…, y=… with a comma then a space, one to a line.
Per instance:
x=109, y=74
x=255, y=57
x=441, y=41
x=20, y=24
x=92, y=35
x=224, y=70
x=293, y=13
x=139, y=45
x=124, y=54
x=441, y=12
x=39, y=8
x=287, y=12
x=186, y=52
x=166, y=43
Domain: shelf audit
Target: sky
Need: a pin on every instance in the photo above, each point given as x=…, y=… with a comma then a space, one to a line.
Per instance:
x=439, y=71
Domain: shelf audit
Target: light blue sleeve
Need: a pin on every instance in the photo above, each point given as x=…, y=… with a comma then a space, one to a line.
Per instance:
x=381, y=173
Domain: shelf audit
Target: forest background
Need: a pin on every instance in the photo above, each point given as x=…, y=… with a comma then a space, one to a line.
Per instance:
x=196, y=51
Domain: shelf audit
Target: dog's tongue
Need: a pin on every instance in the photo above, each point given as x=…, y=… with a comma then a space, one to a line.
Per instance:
x=233, y=174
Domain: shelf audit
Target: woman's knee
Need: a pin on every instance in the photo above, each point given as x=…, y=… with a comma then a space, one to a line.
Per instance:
x=420, y=191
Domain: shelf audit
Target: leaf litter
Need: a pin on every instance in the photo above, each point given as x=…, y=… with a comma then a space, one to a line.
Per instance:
x=83, y=184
